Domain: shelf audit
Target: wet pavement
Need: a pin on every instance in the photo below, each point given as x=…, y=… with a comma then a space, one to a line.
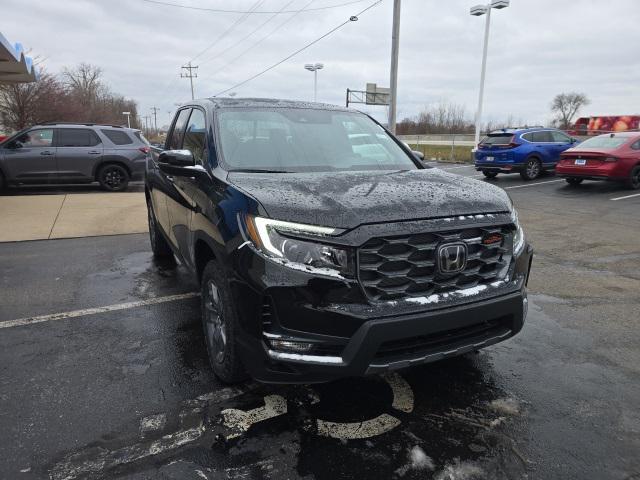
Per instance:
x=128, y=393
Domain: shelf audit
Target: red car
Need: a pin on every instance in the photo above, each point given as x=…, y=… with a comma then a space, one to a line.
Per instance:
x=612, y=156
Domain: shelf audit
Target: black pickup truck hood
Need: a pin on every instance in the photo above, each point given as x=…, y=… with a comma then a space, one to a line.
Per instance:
x=349, y=199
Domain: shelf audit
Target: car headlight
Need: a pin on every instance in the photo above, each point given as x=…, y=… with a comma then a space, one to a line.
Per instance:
x=518, y=238
x=276, y=239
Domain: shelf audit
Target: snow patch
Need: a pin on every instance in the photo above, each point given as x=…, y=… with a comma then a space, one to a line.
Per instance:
x=506, y=406
x=418, y=460
x=461, y=471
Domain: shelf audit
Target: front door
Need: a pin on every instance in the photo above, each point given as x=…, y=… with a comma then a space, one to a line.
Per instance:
x=31, y=158
x=78, y=152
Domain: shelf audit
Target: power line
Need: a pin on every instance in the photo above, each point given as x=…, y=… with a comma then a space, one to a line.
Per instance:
x=228, y=30
x=246, y=36
x=255, y=44
x=353, y=18
x=221, y=10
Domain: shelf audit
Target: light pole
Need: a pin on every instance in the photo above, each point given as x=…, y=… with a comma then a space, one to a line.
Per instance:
x=478, y=11
x=128, y=114
x=393, y=84
x=314, y=67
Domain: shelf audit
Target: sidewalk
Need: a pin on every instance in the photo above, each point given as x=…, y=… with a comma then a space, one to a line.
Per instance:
x=40, y=217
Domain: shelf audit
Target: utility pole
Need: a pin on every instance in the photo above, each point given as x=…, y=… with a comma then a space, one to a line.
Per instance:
x=393, y=84
x=191, y=75
x=146, y=123
x=155, y=118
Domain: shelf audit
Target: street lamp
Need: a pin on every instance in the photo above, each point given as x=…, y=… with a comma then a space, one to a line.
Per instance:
x=314, y=67
x=478, y=11
x=128, y=114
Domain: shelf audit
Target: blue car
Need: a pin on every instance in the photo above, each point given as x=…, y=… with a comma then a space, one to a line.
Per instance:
x=528, y=151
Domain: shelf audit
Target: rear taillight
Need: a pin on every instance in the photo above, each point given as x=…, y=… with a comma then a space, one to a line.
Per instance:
x=144, y=149
x=611, y=159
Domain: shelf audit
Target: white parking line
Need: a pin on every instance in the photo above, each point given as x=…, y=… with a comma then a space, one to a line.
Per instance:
x=92, y=311
x=626, y=196
x=532, y=184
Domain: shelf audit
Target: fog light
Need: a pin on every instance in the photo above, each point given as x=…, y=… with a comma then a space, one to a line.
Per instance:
x=289, y=346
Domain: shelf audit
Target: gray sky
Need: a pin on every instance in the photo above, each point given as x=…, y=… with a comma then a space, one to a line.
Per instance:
x=537, y=48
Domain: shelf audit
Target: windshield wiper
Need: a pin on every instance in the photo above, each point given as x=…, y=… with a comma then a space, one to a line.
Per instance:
x=257, y=170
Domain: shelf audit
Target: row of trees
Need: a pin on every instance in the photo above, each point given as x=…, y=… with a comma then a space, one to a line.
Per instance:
x=77, y=94
x=448, y=117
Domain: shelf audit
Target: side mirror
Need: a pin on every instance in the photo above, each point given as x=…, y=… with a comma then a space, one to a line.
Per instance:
x=420, y=155
x=574, y=140
x=177, y=158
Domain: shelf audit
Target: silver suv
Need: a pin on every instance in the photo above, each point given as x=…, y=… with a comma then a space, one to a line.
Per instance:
x=74, y=153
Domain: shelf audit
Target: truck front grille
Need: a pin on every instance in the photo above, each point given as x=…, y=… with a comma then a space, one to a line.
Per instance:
x=392, y=268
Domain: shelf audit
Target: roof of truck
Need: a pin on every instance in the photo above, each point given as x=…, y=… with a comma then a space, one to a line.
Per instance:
x=228, y=102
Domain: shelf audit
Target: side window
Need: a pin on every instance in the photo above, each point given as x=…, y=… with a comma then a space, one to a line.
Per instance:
x=542, y=137
x=35, y=138
x=560, y=137
x=528, y=137
x=118, y=137
x=194, y=137
x=174, y=142
x=76, y=137
x=636, y=145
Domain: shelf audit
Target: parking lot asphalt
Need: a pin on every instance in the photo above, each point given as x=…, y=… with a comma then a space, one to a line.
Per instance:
x=125, y=391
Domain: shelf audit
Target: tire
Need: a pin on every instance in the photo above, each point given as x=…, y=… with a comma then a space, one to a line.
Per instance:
x=159, y=245
x=532, y=169
x=220, y=323
x=574, y=180
x=3, y=183
x=633, y=182
x=489, y=174
x=113, y=177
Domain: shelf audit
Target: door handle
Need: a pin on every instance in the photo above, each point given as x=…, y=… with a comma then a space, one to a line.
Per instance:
x=94, y=152
x=47, y=152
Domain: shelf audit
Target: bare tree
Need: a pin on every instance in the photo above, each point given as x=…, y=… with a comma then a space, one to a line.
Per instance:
x=566, y=105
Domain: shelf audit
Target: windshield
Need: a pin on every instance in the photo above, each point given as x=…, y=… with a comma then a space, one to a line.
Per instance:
x=606, y=142
x=301, y=140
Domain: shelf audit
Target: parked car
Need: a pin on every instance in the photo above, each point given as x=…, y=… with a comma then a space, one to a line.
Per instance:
x=528, y=151
x=318, y=259
x=612, y=156
x=74, y=153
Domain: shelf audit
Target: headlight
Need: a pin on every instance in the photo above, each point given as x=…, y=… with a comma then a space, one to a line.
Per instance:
x=270, y=237
x=518, y=238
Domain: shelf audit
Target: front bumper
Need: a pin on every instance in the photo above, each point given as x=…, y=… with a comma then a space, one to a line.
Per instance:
x=353, y=337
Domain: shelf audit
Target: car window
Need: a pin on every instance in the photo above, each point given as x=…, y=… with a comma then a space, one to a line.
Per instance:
x=174, y=142
x=528, y=137
x=497, y=139
x=606, y=142
x=76, y=137
x=195, y=135
x=541, y=137
x=118, y=137
x=35, y=138
x=636, y=145
x=301, y=139
x=560, y=137
x=142, y=138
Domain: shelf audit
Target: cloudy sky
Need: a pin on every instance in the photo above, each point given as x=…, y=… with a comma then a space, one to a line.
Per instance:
x=537, y=48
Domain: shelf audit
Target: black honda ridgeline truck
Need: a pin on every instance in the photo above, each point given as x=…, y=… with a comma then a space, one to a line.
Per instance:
x=325, y=248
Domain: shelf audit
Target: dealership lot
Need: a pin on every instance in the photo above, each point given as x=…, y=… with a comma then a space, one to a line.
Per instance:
x=126, y=392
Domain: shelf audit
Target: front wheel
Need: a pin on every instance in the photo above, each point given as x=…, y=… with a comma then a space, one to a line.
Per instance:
x=489, y=174
x=221, y=324
x=574, y=180
x=532, y=169
x=113, y=178
x=633, y=182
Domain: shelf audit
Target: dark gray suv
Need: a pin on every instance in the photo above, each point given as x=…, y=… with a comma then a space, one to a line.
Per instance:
x=74, y=153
